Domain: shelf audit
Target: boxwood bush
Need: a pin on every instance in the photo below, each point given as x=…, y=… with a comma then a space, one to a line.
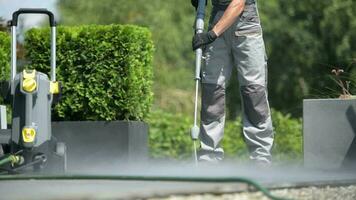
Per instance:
x=4, y=56
x=170, y=137
x=106, y=71
x=5, y=65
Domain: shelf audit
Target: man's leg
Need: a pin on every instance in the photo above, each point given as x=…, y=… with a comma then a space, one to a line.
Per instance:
x=249, y=56
x=216, y=70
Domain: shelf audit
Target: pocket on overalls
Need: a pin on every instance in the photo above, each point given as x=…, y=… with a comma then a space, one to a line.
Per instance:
x=249, y=22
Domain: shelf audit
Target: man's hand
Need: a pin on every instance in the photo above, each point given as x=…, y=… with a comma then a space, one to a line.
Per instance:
x=202, y=39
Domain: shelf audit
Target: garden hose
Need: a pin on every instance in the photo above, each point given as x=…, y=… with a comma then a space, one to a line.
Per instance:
x=13, y=159
x=149, y=178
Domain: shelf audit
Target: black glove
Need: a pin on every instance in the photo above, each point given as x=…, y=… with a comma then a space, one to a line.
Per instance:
x=195, y=3
x=202, y=39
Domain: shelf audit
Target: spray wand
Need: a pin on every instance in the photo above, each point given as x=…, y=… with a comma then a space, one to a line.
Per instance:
x=199, y=28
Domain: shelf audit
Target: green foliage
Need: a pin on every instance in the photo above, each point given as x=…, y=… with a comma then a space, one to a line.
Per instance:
x=288, y=137
x=233, y=142
x=106, y=70
x=5, y=65
x=305, y=40
x=4, y=56
x=170, y=137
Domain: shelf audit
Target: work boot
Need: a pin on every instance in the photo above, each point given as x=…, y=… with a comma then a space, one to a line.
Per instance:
x=209, y=159
x=261, y=163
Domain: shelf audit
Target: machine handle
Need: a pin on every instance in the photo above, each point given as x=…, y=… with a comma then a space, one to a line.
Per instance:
x=199, y=28
x=52, y=23
x=16, y=14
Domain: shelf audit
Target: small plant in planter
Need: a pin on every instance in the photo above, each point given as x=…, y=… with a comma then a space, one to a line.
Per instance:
x=329, y=133
x=343, y=84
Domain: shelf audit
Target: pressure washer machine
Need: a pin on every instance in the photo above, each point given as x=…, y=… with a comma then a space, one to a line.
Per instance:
x=29, y=144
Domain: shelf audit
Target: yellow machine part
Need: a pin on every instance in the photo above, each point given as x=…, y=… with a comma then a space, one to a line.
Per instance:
x=54, y=87
x=28, y=135
x=29, y=83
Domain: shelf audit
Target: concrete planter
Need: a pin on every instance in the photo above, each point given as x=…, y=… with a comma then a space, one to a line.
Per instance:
x=329, y=127
x=99, y=145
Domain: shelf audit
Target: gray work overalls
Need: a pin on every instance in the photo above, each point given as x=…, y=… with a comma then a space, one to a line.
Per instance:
x=240, y=46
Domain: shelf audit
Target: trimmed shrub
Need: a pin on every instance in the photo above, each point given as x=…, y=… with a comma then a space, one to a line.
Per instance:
x=170, y=137
x=106, y=71
x=5, y=65
x=4, y=56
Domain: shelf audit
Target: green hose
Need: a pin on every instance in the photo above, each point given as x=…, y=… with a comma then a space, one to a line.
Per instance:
x=150, y=178
x=10, y=159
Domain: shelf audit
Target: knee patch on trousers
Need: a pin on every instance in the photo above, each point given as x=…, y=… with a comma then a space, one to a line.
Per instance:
x=213, y=102
x=255, y=103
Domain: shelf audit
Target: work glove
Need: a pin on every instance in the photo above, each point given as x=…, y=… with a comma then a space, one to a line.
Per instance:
x=195, y=3
x=202, y=39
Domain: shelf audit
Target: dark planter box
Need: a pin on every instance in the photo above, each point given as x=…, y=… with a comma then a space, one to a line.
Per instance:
x=329, y=127
x=93, y=145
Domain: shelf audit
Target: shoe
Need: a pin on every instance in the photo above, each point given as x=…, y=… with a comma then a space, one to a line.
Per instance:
x=209, y=159
x=262, y=163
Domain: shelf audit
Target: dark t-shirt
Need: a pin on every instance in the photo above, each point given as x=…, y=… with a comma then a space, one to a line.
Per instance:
x=227, y=2
x=221, y=2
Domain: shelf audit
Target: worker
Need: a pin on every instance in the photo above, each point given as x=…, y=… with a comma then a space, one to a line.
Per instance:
x=234, y=39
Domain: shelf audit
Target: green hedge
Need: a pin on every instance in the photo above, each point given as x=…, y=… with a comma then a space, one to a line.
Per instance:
x=106, y=70
x=4, y=56
x=170, y=138
x=288, y=139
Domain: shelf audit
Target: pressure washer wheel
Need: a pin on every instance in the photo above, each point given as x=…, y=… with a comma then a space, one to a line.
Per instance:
x=40, y=161
x=61, y=149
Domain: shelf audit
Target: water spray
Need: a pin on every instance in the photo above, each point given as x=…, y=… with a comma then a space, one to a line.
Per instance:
x=244, y=180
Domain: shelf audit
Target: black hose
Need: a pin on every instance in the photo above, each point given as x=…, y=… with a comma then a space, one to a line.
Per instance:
x=201, y=9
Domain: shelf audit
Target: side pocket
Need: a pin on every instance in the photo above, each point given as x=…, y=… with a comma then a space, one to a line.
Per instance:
x=249, y=22
x=250, y=31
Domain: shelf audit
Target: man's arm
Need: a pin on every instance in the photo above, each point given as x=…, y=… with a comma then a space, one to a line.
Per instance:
x=231, y=13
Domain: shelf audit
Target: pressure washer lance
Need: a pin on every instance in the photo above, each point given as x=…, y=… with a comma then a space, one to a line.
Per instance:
x=199, y=28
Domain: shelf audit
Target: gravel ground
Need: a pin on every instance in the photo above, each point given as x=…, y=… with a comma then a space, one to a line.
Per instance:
x=308, y=193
